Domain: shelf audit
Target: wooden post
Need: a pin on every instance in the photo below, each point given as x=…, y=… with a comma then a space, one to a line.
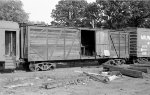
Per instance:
x=47, y=42
x=80, y=42
x=93, y=23
x=125, y=46
x=119, y=44
x=64, y=44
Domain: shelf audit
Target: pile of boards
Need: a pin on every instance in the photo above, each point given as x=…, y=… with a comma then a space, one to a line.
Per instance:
x=132, y=70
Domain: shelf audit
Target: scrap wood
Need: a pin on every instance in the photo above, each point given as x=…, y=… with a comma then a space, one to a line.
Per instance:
x=102, y=78
x=97, y=78
x=142, y=69
x=63, y=83
x=87, y=72
x=146, y=75
x=52, y=85
x=112, y=77
x=124, y=71
x=117, y=73
x=96, y=74
x=19, y=85
x=148, y=70
x=140, y=65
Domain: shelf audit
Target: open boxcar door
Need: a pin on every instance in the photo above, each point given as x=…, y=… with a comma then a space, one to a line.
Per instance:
x=102, y=43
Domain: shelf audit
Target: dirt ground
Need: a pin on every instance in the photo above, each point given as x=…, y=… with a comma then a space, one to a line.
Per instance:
x=33, y=83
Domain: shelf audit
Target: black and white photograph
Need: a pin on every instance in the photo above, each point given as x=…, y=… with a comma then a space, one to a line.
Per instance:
x=74, y=47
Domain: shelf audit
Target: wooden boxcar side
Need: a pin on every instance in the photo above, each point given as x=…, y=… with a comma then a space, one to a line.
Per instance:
x=47, y=43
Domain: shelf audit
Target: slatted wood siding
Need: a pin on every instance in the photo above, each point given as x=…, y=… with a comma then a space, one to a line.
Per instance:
x=72, y=44
x=119, y=45
x=102, y=42
x=47, y=43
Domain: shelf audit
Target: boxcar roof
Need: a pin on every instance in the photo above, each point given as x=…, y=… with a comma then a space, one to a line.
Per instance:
x=8, y=25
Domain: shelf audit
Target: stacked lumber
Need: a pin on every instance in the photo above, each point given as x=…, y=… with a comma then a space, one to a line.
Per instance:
x=133, y=70
x=124, y=71
x=141, y=67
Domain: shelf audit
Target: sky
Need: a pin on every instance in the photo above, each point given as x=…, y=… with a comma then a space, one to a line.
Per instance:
x=40, y=10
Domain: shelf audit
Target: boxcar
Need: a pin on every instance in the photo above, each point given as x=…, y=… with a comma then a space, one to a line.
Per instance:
x=42, y=45
x=139, y=44
x=9, y=44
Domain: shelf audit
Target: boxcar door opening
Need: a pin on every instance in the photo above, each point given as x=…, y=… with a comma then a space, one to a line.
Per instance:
x=87, y=43
x=10, y=43
x=10, y=49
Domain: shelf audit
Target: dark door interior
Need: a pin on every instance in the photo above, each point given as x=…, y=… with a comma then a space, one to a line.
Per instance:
x=10, y=43
x=87, y=42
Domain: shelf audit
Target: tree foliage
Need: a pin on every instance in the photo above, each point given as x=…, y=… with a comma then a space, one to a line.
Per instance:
x=140, y=13
x=125, y=13
x=112, y=14
x=69, y=12
x=92, y=15
x=11, y=10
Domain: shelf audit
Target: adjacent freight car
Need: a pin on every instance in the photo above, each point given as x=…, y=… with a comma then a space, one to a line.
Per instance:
x=139, y=44
x=40, y=47
x=9, y=44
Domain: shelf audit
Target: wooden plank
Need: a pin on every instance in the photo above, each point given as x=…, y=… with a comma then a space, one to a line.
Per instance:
x=97, y=78
x=142, y=69
x=140, y=65
x=124, y=71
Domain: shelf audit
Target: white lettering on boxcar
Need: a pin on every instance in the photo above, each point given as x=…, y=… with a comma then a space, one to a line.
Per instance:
x=144, y=49
x=144, y=46
x=145, y=37
x=144, y=53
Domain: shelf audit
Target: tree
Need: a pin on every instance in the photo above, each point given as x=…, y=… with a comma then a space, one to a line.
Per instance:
x=69, y=12
x=11, y=10
x=125, y=13
x=139, y=13
x=112, y=14
x=92, y=15
x=115, y=13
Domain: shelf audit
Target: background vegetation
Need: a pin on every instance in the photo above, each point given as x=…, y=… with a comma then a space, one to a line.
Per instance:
x=112, y=14
x=11, y=10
